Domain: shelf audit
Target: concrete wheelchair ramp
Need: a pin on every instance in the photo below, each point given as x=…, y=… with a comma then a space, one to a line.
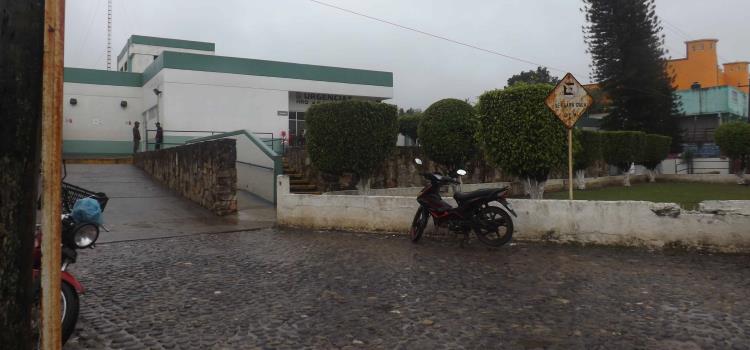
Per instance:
x=140, y=208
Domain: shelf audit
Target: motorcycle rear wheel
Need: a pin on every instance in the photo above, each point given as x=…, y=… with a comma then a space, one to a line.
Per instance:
x=495, y=226
x=418, y=224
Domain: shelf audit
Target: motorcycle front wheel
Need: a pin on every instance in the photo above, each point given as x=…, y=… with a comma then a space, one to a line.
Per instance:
x=495, y=226
x=418, y=224
x=69, y=305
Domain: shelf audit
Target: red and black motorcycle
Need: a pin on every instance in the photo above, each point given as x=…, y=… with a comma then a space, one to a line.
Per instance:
x=492, y=224
x=75, y=235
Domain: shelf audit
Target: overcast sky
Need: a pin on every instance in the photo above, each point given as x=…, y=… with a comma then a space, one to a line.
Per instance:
x=425, y=69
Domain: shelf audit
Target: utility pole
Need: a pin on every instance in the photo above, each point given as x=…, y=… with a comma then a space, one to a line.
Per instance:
x=52, y=95
x=22, y=34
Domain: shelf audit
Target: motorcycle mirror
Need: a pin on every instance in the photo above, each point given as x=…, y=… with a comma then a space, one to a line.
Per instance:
x=461, y=172
x=418, y=161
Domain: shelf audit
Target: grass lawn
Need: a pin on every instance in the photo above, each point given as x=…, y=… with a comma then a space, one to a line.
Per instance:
x=687, y=195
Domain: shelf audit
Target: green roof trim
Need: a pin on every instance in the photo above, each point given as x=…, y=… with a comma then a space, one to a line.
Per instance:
x=166, y=42
x=101, y=77
x=231, y=65
x=175, y=43
x=247, y=66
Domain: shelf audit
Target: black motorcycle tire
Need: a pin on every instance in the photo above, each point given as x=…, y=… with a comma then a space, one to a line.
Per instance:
x=500, y=218
x=70, y=305
x=418, y=224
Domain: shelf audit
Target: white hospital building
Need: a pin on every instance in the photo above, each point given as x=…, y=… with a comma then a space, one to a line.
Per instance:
x=192, y=92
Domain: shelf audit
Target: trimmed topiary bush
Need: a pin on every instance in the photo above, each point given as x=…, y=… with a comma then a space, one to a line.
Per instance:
x=351, y=137
x=588, y=152
x=521, y=135
x=408, y=125
x=656, y=150
x=734, y=141
x=446, y=133
x=623, y=148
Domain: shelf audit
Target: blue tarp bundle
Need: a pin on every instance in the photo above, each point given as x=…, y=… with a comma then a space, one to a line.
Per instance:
x=87, y=210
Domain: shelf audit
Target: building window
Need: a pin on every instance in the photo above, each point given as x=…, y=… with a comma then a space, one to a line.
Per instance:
x=698, y=47
x=296, y=128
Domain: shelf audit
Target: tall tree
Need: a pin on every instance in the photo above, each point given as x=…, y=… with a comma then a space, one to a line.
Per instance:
x=21, y=39
x=539, y=76
x=629, y=63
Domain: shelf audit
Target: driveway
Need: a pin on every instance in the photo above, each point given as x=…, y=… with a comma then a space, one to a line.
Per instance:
x=272, y=289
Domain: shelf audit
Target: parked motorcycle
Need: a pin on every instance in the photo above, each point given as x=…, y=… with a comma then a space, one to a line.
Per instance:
x=76, y=234
x=492, y=225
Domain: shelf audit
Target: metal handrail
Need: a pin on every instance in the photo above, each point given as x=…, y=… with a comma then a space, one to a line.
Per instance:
x=680, y=162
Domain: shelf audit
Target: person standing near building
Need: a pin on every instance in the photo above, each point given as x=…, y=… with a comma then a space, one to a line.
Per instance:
x=159, y=135
x=136, y=137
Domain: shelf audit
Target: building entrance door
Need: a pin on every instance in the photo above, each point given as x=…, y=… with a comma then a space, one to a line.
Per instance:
x=296, y=128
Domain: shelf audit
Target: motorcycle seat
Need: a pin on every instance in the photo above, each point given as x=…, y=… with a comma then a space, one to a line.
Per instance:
x=486, y=192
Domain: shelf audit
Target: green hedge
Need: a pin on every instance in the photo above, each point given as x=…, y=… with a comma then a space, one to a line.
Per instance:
x=589, y=148
x=519, y=133
x=621, y=148
x=734, y=141
x=447, y=131
x=656, y=150
x=408, y=124
x=350, y=136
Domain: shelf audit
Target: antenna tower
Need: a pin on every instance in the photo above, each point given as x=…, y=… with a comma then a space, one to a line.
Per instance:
x=109, y=35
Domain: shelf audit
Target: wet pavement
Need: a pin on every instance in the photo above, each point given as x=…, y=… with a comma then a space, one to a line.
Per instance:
x=271, y=289
x=140, y=208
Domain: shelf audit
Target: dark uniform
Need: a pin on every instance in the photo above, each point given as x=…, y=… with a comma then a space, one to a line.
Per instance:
x=136, y=137
x=159, y=135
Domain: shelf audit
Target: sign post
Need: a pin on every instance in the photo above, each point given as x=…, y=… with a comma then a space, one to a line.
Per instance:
x=569, y=100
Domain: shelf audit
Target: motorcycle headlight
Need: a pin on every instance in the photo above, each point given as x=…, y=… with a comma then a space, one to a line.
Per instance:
x=85, y=235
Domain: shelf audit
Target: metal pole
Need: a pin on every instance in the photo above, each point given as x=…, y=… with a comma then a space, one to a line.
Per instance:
x=52, y=94
x=570, y=163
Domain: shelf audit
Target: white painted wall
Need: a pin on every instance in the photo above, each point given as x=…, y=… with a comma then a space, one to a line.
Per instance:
x=98, y=115
x=190, y=106
x=719, y=226
x=194, y=100
x=253, y=173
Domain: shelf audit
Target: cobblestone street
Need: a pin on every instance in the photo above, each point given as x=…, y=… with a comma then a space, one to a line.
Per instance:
x=288, y=290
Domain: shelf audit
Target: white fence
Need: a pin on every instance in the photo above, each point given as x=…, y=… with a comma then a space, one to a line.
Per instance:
x=722, y=226
x=700, y=166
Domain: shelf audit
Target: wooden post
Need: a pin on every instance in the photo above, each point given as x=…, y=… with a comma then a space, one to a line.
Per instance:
x=21, y=37
x=52, y=94
x=570, y=163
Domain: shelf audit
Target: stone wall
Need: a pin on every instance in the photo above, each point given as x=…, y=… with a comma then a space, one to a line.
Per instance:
x=399, y=170
x=720, y=226
x=203, y=172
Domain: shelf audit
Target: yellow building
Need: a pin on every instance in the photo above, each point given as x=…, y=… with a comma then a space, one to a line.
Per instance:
x=701, y=66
